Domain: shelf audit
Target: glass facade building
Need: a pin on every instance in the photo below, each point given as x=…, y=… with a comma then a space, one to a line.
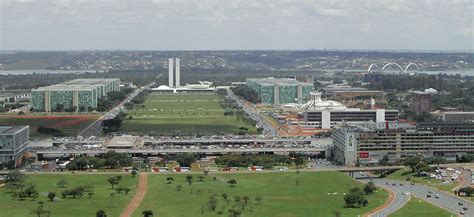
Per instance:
x=81, y=94
x=280, y=90
x=14, y=141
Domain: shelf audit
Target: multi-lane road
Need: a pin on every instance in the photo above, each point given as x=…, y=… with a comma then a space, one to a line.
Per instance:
x=403, y=191
x=94, y=129
x=254, y=115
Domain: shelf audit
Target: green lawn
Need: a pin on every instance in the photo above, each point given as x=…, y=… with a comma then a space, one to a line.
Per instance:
x=403, y=174
x=281, y=197
x=70, y=207
x=420, y=208
x=182, y=114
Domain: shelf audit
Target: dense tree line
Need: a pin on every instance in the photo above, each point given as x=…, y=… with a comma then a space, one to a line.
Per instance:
x=247, y=93
x=109, y=159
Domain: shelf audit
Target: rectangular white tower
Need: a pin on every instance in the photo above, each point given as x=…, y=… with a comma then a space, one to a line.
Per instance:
x=170, y=73
x=177, y=79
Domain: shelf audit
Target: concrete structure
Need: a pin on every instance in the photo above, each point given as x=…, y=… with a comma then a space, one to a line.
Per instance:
x=11, y=96
x=458, y=116
x=280, y=90
x=370, y=143
x=82, y=94
x=174, y=73
x=325, y=114
x=347, y=91
x=420, y=101
x=13, y=143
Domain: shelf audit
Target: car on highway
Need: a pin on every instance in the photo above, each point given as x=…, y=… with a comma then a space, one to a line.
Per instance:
x=460, y=203
x=465, y=208
x=462, y=212
x=428, y=195
x=437, y=196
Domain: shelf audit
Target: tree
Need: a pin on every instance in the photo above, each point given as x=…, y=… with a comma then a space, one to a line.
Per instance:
x=126, y=190
x=15, y=180
x=369, y=188
x=39, y=211
x=113, y=181
x=355, y=196
x=299, y=161
x=62, y=183
x=100, y=213
x=200, y=178
x=59, y=107
x=232, y=182
x=439, y=160
x=134, y=173
x=412, y=162
x=212, y=203
x=185, y=159
x=189, y=179
x=169, y=179
x=51, y=196
x=179, y=187
x=147, y=213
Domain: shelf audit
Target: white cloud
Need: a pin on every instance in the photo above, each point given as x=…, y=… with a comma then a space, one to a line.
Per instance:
x=223, y=24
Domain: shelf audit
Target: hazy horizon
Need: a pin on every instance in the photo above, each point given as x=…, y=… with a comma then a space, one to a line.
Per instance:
x=400, y=25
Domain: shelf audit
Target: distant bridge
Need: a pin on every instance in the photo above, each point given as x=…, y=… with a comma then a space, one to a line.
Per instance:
x=393, y=64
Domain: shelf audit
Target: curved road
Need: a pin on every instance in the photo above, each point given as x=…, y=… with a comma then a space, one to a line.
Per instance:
x=438, y=198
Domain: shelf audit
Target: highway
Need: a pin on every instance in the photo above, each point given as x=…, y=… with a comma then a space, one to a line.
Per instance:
x=94, y=129
x=254, y=115
x=444, y=200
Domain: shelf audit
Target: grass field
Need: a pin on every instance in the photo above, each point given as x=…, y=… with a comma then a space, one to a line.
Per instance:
x=420, y=208
x=281, y=197
x=69, y=207
x=70, y=125
x=182, y=114
x=403, y=174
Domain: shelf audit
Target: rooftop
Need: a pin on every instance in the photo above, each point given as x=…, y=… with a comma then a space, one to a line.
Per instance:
x=279, y=81
x=11, y=129
x=82, y=83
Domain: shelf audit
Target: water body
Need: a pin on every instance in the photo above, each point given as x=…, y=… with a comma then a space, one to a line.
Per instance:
x=46, y=71
x=467, y=72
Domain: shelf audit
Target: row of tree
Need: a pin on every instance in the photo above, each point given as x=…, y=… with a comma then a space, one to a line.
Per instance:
x=264, y=160
x=356, y=195
x=110, y=159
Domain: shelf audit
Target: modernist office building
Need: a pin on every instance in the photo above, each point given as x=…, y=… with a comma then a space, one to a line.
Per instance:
x=280, y=90
x=325, y=114
x=13, y=143
x=83, y=94
x=371, y=142
x=174, y=73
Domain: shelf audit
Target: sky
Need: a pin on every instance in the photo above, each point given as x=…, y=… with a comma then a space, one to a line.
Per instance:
x=236, y=24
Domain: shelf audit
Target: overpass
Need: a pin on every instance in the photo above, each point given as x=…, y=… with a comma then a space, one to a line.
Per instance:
x=175, y=151
x=319, y=141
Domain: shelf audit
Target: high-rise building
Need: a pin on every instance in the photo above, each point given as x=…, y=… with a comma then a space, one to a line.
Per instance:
x=174, y=73
x=14, y=141
x=78, y=94
x=420, y=101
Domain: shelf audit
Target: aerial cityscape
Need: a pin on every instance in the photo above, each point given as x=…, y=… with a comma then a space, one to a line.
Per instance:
x=236, y=108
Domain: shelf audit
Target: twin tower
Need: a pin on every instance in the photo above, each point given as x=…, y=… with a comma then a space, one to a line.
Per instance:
x=173, y=73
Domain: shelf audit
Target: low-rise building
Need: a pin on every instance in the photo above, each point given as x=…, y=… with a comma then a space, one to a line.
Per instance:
x=78, y=94
x=14, y=142
x=370, y=143
x=279, y=91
